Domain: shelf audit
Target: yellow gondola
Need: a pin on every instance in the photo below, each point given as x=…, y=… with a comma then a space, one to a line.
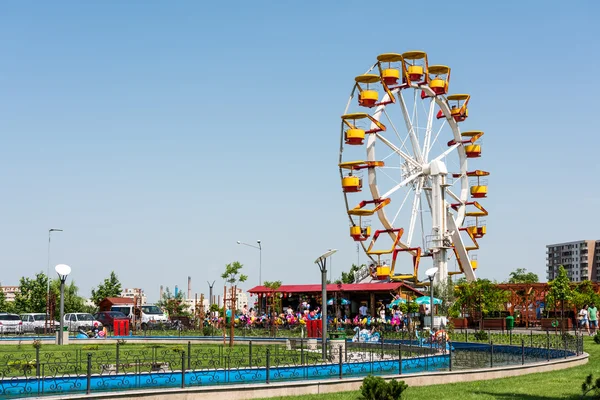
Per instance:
x=390, y=65
x=415, y=67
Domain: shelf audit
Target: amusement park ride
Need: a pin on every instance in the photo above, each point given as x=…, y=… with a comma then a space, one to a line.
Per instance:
x=419, y=178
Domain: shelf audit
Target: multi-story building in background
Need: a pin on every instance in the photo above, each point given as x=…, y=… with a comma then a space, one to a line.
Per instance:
x=135, y=292
x=580, y=259
x=10, y=292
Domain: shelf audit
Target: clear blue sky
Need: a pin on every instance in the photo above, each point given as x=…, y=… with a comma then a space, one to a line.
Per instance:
x=157, y=134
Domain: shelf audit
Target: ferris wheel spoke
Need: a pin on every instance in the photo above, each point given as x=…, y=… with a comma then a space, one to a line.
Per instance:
x=453, y=195
x=402, y=154
x=402, y=141
x=411, y=130
x=401, y=184
x=445, y=153
x=415, y=211
x=401, y=206
x=428, y=130
x=431, y=144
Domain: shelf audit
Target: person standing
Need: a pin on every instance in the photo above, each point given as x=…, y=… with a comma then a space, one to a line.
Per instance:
x=593, y=317
x=583, y=318
x=363, y=310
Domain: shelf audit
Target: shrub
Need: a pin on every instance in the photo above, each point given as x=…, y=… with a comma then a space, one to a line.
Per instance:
x=481, y=335
x=121, y=342
x=590, y=386
x=376, y=388
x=597, y=338
x=90, y=347
x=37, y=344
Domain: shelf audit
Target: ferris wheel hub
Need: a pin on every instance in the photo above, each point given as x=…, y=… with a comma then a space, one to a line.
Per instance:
x=436, y=167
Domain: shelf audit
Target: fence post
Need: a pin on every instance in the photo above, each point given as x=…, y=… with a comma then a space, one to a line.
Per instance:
x=117, y=361
x=450, y=355
x=547, y=347
x=400, y=359
x=491, y=354
x=522, y=351
x=467, y=335
x=268, y=366
x=250, y=353
x=301, y=351
x=530, y=338
x=510, y=335
x=88, y=388
x=37, y=361
x=189, y=355
x=183, y=369
x=340, y=359
x=565, y=346
x=382, y=349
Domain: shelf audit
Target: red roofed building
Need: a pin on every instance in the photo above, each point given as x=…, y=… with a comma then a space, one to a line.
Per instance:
x=357, y=293
x=108, y=302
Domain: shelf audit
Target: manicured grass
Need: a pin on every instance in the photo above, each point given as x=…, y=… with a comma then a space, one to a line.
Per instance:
x=563, y=384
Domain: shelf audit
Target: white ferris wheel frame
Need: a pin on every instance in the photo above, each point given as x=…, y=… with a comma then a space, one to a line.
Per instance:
x=445, y=223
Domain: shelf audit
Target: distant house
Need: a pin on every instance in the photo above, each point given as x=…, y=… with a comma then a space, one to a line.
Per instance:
x=108, y=302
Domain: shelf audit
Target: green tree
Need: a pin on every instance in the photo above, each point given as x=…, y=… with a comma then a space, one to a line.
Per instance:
x=233, y=276
x=5, y=306
x=275, y=303
x=584, y=293
x=173, y=304
x=348, y=277
x=559, y=290
x=73, y=302
x=445, y=292
x=520, y=275
x=481, y=295
x=111, y=287
x=32, y=294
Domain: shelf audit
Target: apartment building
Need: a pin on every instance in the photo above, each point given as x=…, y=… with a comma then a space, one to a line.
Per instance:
x=580, y=259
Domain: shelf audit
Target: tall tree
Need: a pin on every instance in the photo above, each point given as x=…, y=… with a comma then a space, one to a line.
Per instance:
x=233, y=276
x=348, y=277
x=73, y=302
x=31, y=297
x=173, y=304
x=560, y=291
x=5, y=306
x=482, y=295
x=275, y=303
x=520, y=275
x=111, y=287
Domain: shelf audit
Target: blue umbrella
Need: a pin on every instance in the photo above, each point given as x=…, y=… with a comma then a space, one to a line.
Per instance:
x=396, y=302
x=427, y=300
x=345, y=302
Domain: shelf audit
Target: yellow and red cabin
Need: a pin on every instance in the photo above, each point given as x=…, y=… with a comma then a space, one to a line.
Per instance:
x=354, y=136
x=351, y=184
x=383, y=272
x=439, y=78
x=474, y=264
x=415, y=68
x=472, y=146
x=362, y=121
x=479, y=191
x=458, y=106
x=390, y=65
x=360, y=234
x=367, y=95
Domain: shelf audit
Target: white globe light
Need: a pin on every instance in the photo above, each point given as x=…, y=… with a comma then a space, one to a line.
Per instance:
x=431, y=271
x=62, y=270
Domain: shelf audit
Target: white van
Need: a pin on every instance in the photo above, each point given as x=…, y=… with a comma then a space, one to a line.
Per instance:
x=150, y=316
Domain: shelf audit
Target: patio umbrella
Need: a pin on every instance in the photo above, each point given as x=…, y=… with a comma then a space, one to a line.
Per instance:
x=345, y=302
x=396, y=302
x=427, y=300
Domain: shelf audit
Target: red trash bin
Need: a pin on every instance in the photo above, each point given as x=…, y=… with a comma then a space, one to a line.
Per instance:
x=121, y=327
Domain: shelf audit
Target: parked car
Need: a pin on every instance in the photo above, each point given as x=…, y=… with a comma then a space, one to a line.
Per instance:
x=10, y=323
x=108, y=318
x=36, y=322
x=77, y=321
x=147, y=316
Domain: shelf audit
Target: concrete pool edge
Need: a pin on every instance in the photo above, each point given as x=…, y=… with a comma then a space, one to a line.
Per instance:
x=254, y=391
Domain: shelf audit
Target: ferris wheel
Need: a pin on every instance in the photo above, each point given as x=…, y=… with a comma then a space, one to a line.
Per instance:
x=401, y=133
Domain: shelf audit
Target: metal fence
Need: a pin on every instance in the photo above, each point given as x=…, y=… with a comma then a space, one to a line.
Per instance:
x=33, y=371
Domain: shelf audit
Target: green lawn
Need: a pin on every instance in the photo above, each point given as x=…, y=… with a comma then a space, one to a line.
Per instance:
x=563, y=384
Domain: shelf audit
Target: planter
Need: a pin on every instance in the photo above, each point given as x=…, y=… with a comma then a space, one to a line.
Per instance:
x=461, y=323
x=565, y=323
x=494, y=323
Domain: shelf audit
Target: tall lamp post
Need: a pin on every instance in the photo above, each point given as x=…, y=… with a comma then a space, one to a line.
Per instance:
x=259, y=247
x=431, y=274
x=46, y=324
x=322, y=263
x=210, y=296
x=63, y=270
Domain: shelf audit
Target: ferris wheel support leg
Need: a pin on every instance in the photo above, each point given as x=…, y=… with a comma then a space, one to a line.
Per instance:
x=438, y=172
x=461, y=252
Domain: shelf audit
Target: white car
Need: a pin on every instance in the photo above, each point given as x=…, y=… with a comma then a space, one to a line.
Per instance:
x=36, y=322
x=10, y=323
x=77, y=321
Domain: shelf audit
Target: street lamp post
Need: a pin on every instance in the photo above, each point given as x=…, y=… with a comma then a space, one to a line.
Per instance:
x=210, y=296
x=431, y=274
x=322, y=263
x=46, y=323
x=259, y=247
x=63, y=270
